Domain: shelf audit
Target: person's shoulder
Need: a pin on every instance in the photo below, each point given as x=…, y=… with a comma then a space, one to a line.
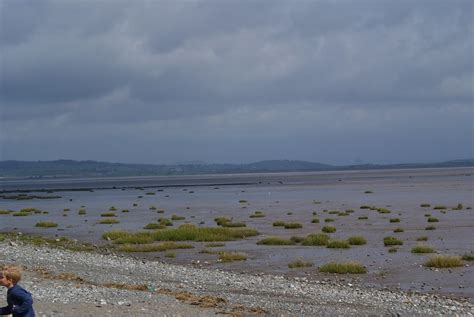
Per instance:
x=19, y=290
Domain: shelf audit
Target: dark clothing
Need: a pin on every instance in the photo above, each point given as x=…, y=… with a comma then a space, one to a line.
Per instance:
x=20, y=303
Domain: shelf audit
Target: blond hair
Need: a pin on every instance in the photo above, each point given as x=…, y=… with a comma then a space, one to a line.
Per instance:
x=12, y=273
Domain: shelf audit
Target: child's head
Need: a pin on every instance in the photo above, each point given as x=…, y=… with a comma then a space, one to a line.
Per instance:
x=10, y=275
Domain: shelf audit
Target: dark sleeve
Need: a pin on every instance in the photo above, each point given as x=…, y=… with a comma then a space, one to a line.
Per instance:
x=25, y=302
x=7, y=310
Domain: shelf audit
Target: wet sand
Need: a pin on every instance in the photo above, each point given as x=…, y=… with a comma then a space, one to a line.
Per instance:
x=289, y=197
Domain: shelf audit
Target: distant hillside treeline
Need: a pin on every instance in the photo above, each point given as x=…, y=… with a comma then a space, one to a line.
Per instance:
x=71, y=168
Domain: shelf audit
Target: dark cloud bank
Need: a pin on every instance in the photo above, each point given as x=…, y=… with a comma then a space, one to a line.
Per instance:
x=237, y=81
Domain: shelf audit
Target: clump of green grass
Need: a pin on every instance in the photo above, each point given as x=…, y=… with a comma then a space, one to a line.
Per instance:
x=328, y=229
x=430, y=228
x=439, y=207
x=357, y=240
x=444, y=261
x=364, y=207
x=243, y=201
x=215, y=244
x=392, y=220
x=4, y=212
x=433, y=219
x=232, y=256
x=315, y=220
x=422, y=249
x=154, y=247
x=393, y=250
x=297, y=239
x=276, y=241
x=234, y=225
x=81, y=212
x=29, y=209
x=165, y=222
x=349, y=211
x=300, y=263
x=425, y=205
x=153, y=226
x=329, y=220
x=342, y=214
x=343, y=268
x=21, y=214
x=390, y=241
x=66, y=209
x=108, y=214
x=293, y=225
x=109, y=221
x=383, y=211
x=398, y=230
x=188, y=232
x=422, y=238
x=170, y=254
x=152, y=208
x=333, y=212
x=46, y=224
x=363, y=218
x=338, y=244
x=468, y=256
x=125, y=210
x=112, y=208
x=458, y=207
x=279, y=223
x=221, y=220
x=258, y=214
x=176, y=217
x=427, y=215
x=318, y=239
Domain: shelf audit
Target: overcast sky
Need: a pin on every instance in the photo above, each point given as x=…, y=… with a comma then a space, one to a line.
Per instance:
x=336, y=82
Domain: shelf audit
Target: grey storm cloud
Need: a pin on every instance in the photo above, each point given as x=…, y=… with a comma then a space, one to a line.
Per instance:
x=169, y=66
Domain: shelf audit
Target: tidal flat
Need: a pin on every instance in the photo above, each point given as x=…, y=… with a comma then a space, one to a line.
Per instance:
x=360, y=204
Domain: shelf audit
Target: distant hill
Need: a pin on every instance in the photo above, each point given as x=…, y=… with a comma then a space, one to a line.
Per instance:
x=71, y=168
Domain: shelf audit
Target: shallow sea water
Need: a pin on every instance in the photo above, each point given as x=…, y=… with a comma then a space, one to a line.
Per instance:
x=281, y=196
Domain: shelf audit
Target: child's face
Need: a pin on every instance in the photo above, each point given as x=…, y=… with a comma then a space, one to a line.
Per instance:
x=4, y=281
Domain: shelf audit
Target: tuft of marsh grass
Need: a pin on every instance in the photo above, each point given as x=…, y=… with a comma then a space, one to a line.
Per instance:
x=153, y=226
x=232, y=256
x=422, y=238
x=221, y=220
x=368, y=192
x=125, y=210
x=343, y=268
x=430, y=228
x=279, y=223
x=276, y=241
x=299, y=264
x=439, y=207
x=333, y=212
x=154, y=247
x=293, y=225
x=165, y=222
x=389, y=241
x=315, y=220
x=243, y=201
x=81, y=212
x=425, y=205
x=112, y=208
x=392, y=220
x=444, y=261
x=176, y=217
x=108, y=214
x=458, y=207
x=234, y=224
x=170, y=254
x=21, y=214
x=422, y=249
x=297, y=239
x=383, y=211
x=215, y=244
x=398, y=230
x=186, y=232
x=46, y=224
x=329, y=220
x=328, y=229
x=29, y=209
x=468, y=256
x=318, y=239
x=363, y=218
x=364, y=207
x=433, y=219
x=258, y=214
x=5, y=212
x=338, y=244
x=109, y=221
x=427, y=215
x=357, y=240
x=393, y=250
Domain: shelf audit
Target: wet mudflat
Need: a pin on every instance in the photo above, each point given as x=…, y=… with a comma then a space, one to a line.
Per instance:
x=288, y=197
